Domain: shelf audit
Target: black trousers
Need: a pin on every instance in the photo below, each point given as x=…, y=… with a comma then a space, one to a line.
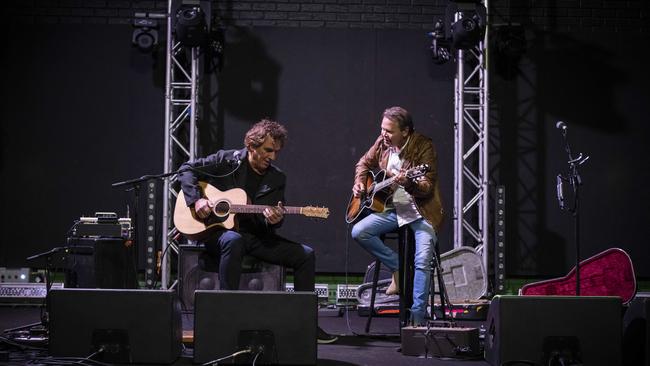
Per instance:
x=230, y=247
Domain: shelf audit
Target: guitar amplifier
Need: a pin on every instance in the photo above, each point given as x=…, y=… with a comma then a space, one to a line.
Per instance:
x=103, y=225
x=24, y=293
x=99, y=262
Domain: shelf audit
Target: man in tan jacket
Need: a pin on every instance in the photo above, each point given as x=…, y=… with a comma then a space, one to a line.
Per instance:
x=415, y=202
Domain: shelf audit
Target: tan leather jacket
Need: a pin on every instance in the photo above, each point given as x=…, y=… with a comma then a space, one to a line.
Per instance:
x=426, y=192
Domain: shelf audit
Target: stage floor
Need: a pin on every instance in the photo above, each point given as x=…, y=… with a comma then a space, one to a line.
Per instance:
x=380, y=347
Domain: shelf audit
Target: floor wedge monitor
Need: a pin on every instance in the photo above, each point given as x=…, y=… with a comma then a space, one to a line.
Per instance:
x=554, y=330
x=116, y=326
x=270, y=327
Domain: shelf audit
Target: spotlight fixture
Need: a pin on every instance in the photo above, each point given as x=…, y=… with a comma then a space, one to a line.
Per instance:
x=467, y=19
x=215, y=49
x=145, y=34
x=463, y=29
x=191, y=27
x=439, y=44
x=467, y=32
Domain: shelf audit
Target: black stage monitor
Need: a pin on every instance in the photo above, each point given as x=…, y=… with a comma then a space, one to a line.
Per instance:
x=271, y=327
x=116, y=326
x=554, y=330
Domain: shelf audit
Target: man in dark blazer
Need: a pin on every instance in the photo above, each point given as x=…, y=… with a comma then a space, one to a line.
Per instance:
x=252, y=170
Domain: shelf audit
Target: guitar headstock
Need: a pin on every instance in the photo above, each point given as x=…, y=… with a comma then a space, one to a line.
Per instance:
x=319, y=212
x=418, y=171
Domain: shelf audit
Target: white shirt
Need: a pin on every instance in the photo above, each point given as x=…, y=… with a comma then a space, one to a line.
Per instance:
x=402, y=201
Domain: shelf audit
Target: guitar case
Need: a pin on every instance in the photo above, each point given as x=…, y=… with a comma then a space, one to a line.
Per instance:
x=364, y=291
x=464, y=275
x=609, y=273
x=462, y=271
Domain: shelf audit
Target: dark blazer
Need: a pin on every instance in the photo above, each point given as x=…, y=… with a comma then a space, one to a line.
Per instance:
x=225, y=170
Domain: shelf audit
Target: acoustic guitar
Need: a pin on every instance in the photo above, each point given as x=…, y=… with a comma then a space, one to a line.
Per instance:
x=378, y=190
x=225, y=205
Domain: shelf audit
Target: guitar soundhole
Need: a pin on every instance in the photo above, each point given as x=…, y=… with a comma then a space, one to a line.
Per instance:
x=222, y=208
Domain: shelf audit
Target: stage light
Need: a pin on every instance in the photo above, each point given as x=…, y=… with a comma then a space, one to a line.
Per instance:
x=191, y=27
x=468, y=21
x=145, y=34
x=467, y=32
x=463, y=29
x=439, y=44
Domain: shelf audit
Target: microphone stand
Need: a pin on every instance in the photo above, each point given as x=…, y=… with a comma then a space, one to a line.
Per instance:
x=45, y=316
x=137, y=182
x=436, y=275
x=135, y=185
x=573, y=177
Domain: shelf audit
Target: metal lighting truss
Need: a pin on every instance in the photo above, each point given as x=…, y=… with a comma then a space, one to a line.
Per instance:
x=470, y=219
x=181, y=108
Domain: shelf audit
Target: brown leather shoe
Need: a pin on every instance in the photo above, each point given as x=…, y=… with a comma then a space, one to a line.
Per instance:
x=393, y=288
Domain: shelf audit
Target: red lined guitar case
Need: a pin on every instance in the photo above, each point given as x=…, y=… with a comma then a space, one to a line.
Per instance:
x=609, y=273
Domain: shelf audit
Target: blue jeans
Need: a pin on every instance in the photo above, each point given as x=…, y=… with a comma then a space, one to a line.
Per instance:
x=367, y=231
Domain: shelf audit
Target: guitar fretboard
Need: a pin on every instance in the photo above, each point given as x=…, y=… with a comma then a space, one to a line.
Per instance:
x=411, y=173
x=261, y=208
x=384, y=183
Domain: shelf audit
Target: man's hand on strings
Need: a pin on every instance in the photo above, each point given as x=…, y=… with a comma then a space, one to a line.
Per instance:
x=401, y=178
x=274, y=214
x=203, y=208
x=358, y=189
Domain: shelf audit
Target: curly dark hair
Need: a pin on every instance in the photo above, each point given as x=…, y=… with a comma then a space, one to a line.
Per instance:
x=256, y=135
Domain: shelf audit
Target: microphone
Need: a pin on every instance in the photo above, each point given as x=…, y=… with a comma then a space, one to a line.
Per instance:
x=235, y=158
x=560, y=191
x=561, y=126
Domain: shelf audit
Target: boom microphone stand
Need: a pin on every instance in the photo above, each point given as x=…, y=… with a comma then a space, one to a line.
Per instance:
x=573, y=178
x=436, y=275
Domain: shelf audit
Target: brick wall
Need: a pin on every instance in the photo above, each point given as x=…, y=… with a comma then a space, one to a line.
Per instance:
x=560, y=15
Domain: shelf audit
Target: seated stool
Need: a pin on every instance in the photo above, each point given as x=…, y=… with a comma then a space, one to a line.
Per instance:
x=406, y=248
x=199, y=271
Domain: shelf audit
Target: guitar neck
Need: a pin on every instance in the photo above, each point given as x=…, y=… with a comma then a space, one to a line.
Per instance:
x=411, y=173
x=260, y=208
x=383, y=184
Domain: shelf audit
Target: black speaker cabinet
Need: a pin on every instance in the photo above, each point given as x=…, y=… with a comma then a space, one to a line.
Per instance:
x=636, y=332
x=545, y=329
x=99, y=263
x=127, y=326
x=282, y=325
x=79, y=268
x=199, y=271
